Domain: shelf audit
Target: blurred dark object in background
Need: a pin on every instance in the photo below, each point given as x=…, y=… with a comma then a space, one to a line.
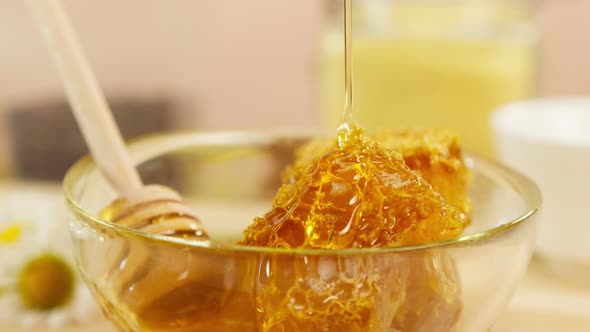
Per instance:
x=45, y=139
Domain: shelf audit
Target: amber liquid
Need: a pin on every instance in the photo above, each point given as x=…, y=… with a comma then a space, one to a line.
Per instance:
x=178, y=291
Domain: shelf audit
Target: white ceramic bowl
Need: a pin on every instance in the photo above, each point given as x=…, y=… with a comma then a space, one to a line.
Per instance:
x=549, y=140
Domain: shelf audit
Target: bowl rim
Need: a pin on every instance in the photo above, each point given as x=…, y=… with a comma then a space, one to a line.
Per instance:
x=137, y=147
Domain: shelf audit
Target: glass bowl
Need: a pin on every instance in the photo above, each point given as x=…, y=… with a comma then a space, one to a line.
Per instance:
x=146, y=282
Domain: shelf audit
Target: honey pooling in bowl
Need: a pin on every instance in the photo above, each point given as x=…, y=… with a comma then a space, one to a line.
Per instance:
x=354, y=193
x=167, y=289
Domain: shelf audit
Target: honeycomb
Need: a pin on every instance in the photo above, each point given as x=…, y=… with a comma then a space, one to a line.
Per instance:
x=435, y=154
x=354, y=193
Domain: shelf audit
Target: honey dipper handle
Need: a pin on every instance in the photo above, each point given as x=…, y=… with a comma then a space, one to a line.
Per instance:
x=87, y=100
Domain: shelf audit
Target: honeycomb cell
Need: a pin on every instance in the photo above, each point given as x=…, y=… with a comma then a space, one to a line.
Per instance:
x=437, y=155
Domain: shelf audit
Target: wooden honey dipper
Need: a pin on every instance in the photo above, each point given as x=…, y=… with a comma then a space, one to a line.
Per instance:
x=154, y=209
x=140, y=205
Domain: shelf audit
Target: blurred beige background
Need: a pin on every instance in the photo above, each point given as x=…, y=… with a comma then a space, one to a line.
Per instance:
x=255, y=72
x=222, y=58
x=565, y=57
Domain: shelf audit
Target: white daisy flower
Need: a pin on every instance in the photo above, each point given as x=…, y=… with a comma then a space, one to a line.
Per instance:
x=38, y=283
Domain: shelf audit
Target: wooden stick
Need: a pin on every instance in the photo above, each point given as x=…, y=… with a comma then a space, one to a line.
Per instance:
x=87, y=100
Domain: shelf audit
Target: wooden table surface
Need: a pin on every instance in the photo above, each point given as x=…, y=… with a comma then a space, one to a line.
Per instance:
x=542, y=303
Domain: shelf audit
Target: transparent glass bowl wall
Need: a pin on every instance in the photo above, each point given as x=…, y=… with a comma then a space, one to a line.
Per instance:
x=155, y=283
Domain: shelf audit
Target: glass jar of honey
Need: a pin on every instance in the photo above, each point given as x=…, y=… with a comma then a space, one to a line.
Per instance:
x=433, y=63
